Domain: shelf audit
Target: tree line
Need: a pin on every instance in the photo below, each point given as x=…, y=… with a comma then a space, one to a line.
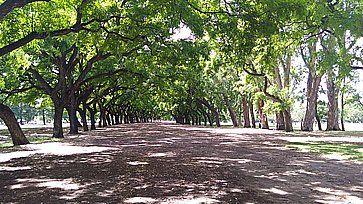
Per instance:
x=121, y=61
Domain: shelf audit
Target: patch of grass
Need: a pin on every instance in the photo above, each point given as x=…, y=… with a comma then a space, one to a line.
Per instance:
x=38, y=140
x=6, y=145
x=33, y=140
x=352, y=151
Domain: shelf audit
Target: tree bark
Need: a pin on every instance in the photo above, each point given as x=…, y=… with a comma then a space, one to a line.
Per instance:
x=312, y=96
x=288, y=121
x=72, y=113
x=333, y=114
x=58, y=117
x=8, y=116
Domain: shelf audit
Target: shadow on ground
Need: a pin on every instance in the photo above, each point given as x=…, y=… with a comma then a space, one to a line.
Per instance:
x=165, y=163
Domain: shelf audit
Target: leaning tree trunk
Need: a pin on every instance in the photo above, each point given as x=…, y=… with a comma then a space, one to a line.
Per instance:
x=213, y=110
x=8, y=116
x=246, y=113
x=231, y=111
x=333, y=115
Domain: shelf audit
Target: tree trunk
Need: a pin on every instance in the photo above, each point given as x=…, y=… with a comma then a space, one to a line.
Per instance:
x=342, y=110
x=73, y=121
x=231, y=111
x=58, y=117
x=280, y=122
x=333, y=114
x=312, y=96
x=43, y=114
x=313, y=84
x=317, y=117
x=288, y=121
x=213, y=110
x=263, y=117
x=246, y=113
x=252, y=112
x=8, y=116
x=92, y=113
x=83, y=113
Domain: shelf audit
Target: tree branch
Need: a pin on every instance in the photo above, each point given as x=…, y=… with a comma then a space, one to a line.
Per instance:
x=10, y=5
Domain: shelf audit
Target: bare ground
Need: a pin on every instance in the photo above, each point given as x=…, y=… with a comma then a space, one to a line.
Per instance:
x=167, y=163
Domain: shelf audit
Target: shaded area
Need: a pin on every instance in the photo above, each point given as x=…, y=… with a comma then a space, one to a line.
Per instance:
x=167, y=163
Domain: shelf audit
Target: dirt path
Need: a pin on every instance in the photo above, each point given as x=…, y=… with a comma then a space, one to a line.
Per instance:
x=166, y=163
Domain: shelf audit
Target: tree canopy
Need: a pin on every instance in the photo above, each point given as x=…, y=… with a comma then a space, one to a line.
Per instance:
x=120, y=61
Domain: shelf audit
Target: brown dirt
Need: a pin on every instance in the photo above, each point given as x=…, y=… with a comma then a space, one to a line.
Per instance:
x=167, y=163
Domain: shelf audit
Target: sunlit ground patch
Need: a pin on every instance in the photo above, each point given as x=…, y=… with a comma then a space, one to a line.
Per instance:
x=136, y=163
x=53, y=148
x=276, y=191
x=162, y=154
x=64, y=184
x=336, y=196
x=339, y=151
x=9, y=168
x=140, y=200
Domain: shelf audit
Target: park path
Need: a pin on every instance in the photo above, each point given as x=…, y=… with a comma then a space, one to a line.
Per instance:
x=168, y=163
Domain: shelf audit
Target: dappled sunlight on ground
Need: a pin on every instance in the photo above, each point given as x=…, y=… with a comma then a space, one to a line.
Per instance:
x=53, y=148
x=168, y=163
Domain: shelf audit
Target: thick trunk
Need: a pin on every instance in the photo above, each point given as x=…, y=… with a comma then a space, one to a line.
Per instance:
x=313, y=83
x=333, y=114
x=252, y=112
x=58, y=116
x=312, y=96
x=288, y=121
x=231, y=111
x=73, y=121
x=8, y=116
x=246, y=113
x=263, y=117
x=280, y=122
